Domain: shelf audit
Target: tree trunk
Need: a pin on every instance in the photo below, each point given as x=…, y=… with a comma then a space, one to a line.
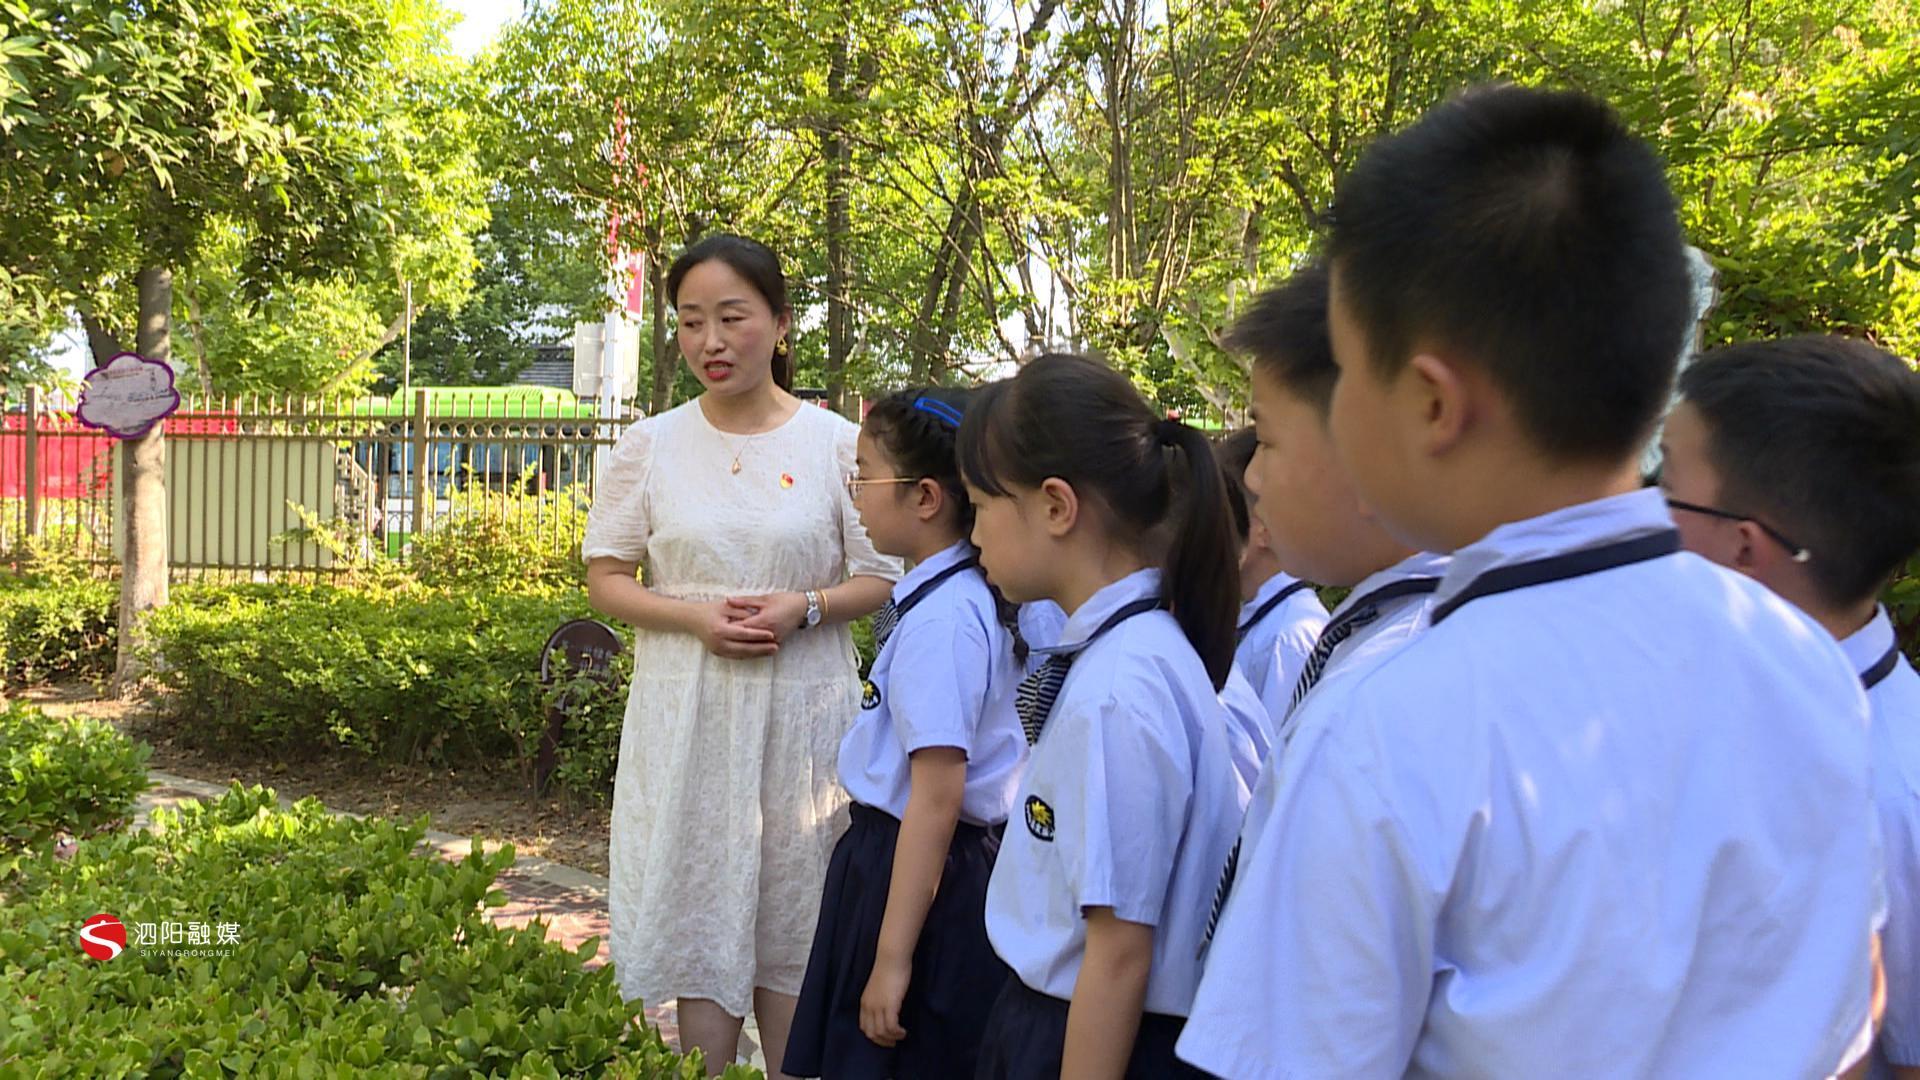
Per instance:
x=1123, y=259
x=924, y=342
x=388, y=336
x=970, y=232
x=665, y=358
x=143, y=490
x=101, y=341
x=839, y=157
x=199, y=332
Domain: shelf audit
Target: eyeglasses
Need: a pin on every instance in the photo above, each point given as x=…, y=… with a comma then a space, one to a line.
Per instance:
x=1798, y=553
x=854, y=482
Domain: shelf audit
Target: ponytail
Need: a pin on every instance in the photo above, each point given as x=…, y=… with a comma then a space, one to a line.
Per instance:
x=1075, y=418
x=1201, y=561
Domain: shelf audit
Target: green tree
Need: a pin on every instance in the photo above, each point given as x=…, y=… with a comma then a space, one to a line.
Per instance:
x=136, y=135
x=1789, y=132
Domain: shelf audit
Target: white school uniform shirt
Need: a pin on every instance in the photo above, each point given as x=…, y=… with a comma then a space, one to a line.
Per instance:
x=1249, y=727
x=1130, y=802
x=1041, y=623
x=946, y=677
x=1275, y=647
x=1400, y=619
x=1894, y=701
x=1609, y=825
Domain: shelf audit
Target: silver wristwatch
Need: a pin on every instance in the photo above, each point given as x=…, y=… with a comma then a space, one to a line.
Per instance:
x=813, y=610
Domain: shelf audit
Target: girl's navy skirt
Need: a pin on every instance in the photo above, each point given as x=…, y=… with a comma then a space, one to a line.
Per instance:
x=956, y=976
x=1027, y=1036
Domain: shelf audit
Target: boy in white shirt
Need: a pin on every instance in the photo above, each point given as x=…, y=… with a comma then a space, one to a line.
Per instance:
x=1312, y=518
x=1606, y=815
x=1312, y=522
x=1815, y=441
x=1281, y=616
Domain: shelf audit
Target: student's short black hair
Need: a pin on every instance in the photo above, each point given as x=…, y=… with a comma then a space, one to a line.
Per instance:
x=1235, y=453
x=1284, y=331
x=1528, y=231
x=1818, y=436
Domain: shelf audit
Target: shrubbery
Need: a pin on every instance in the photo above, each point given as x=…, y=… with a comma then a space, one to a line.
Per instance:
x=407, y=674
x=349, y=951
x=57, y=776
x=491, y=541
x=56, y=627
x=1903, y=604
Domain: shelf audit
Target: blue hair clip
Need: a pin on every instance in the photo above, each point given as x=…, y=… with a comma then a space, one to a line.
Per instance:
x=939, y=409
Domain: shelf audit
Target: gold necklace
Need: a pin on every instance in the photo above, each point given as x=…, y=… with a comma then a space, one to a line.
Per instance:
x=744, y=443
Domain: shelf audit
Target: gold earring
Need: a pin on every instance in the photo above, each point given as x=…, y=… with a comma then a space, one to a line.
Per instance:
x=780, y=347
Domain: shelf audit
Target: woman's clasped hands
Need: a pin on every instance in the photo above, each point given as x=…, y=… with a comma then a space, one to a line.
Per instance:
x=745, y=627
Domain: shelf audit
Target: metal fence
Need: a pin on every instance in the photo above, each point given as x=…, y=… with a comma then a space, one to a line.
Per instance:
x=263, y=487
x=271, y=486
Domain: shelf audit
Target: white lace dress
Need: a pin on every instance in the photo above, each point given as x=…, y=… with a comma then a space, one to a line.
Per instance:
x=725, y=803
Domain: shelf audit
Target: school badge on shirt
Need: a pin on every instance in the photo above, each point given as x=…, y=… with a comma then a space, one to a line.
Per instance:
x=1039, y=819
x=869, y=695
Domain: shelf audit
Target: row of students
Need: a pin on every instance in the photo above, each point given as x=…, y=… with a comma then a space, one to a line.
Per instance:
x=1594, y=807
x=1563, y=800
x=1137, y=777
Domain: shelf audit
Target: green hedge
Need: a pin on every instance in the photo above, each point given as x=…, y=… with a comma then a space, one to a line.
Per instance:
x=409, y=674
x=489, y=540
x=56, y=629
x=351, y=951
x=57, y=776
x=1903, y=604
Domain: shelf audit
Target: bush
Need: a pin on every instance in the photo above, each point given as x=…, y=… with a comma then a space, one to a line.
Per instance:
x=408, y=674
x=491, y=541
x=348, y=950
x=74, y=776
x=864, y=649
x=1903, y=604
x=57, y=627
x=590, y=744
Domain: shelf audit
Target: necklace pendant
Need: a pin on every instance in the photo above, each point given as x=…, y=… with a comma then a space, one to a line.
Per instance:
x=736, y=468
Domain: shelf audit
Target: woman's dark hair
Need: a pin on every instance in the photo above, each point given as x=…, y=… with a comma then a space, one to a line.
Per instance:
x=1074, y=418
x=752, y=260
x=1235, y=453
x=917, y=428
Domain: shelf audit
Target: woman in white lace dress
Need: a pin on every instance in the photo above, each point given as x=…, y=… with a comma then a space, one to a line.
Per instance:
x=725, y=805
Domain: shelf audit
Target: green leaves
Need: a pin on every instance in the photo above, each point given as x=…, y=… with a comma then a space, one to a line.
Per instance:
x=73, y=776
x=330, y=137
x=411, y=674
x=355, y=952
x=59, y=628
